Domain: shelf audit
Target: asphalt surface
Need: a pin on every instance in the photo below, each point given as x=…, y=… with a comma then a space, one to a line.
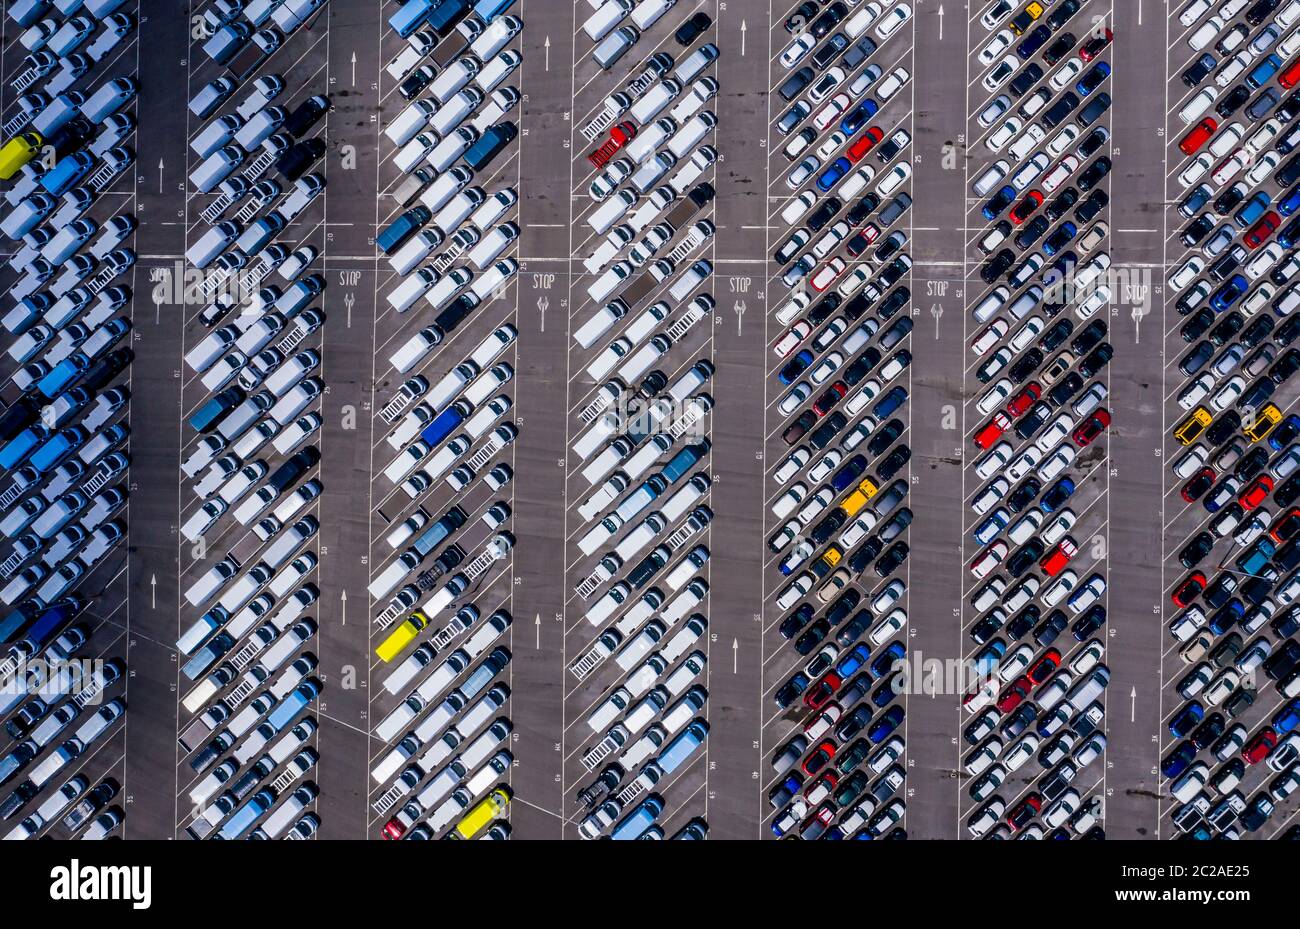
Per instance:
x=342, y=52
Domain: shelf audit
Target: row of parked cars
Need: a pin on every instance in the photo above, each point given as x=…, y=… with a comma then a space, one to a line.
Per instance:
x=64, y=426
x=1036, y=605
x=251, y=449
x=447, y=490
x=842, y=378
x=642, y=415
x=1229, y=745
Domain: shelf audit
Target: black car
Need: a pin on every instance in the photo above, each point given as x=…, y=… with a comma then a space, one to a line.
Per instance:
x=690, y=30
x=893, y=559
x=306, y=115
x=831, y=17
x=1286, y=333
x=997, y=266
x=791, y=625
x=1063, y=390
x=1196, y=550
x=1088, y=623
x=1093, y=141
x=801, y=16
x=893, y=462
x=1088, y=336
x=1260, y=11
x=794, y=85
x=1026, y=365
x=1097, y=359
x=884, y=436
x=1060, y=48
x=419, y=79
x=1223, y=428
x=1285, y=367
x=1092, y=175
x=1062, y=14
x=1093, y=204
x=1201, y=68
x=829, y=52
x=1224, y=266
x=1024, y=82
x=1197, y=326
x=299, y=157
x=1031, y=43
x=1029, y=424
x=819, y=217
x=1232, y=101
x=1061, y=204
x=827, y=431
x=1055, y=336
x=1024, y=494
x=1228, y=326
x=1031, y=231
x=1025, y=557
x=1023, y=622
x=1231, y=198
x=1197, y=358
x=1050, y=629
x=1196, y=231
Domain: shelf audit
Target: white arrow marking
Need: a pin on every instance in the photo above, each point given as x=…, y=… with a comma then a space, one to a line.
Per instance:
x=153, y=591
x=537, y=625
x=735, y=656
x=941, y=22
x=743, y=30
x=547, y=46
x=343, y=605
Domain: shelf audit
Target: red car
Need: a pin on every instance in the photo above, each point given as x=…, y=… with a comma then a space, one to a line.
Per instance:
x=1290, y=76
x=870, y=137
x=1091, y=427
x=1026, y=207
x=819, y=757
x=1198, y=484
x=1285, y=526
x=1024, y=812
x=1256, y=492
x=619, y=136
x=1055, y=561
x=1258, y=234
x=1042, y=669
x=827, y=401
x=992, y=430
x=1197, y=136
x=1257, y=749
x=1094, y=47
x=822, y=691
x=1015, y=694
x=1188, y=590
x=1025, y=399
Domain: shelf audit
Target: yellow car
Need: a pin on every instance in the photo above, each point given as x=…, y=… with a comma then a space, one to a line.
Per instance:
x=1191, y=428
x=1026, y=18
x=858, y=499
x=19, y=150
x=483, y=813
x=1263, y=422
x=402, y=636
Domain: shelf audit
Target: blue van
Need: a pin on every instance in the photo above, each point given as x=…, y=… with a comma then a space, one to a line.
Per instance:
x=445, y=422
x=247, y=814
x=452, y=520
x=208, y=416
x=65, y=175
x=63, y=374
x=410, y=17
x=684, y=460
x=682, y=747
x=445, y=15
x=490, y=144
x=489, y=10
x=402, y=228
x=16, y=450
x=639, y=820
x=58, y=447
x=293, y=704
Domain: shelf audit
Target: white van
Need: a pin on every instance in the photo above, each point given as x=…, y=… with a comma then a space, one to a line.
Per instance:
x=602, y=22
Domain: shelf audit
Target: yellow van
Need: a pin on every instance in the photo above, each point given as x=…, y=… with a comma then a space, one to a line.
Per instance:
x=1190, y=429
x=402, y=636
x=483, y=813
x=1264, y=420
x=858, y=499
x=19, y=150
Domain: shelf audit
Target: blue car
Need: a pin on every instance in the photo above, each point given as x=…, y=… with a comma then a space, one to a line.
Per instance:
x=1287, y=718
x=849, y=473
x=1093, y=79
x=834, y=174
x=1057, y=494
x=885, y=661
x=1186, y=719
x=1252, y=210
x=998, y=202
x=1290, y=201
x=858, y=116
x=1178, y=760
x=881, y=729
x=988, y=530
x=796, y=366
x=1232, y=290
x=1285, y=433
x=1289, y=234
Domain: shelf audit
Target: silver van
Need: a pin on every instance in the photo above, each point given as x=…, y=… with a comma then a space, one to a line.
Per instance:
x=211, y=244
x=216, y=168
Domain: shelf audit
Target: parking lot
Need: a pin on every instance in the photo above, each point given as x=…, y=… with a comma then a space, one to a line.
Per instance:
x=607, y=494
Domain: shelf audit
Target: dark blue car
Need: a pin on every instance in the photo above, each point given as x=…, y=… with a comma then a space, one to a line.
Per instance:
x=998, y=202
x=858, y=116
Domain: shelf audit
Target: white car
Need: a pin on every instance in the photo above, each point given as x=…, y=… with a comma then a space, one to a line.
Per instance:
x=893, y=20
x=796, y=50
